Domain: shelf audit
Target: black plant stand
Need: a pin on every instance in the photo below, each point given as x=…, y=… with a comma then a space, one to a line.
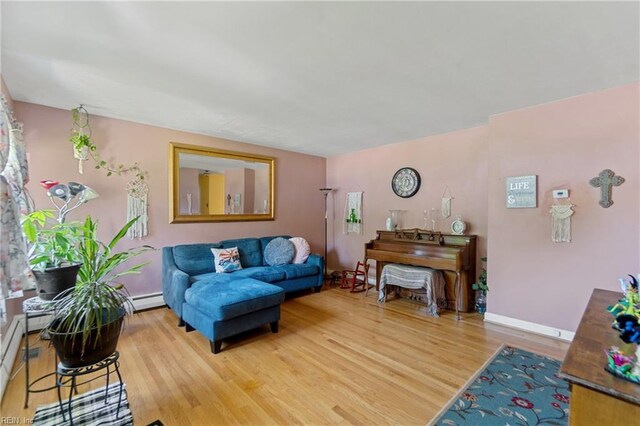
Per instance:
x=34, y=307
x=66, y=374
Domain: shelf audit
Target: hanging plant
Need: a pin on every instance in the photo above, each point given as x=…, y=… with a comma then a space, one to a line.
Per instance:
x=83, y=147
x=137, y=189
x=80, y=141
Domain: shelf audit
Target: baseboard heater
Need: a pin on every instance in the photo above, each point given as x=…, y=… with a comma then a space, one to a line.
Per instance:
x=147, y=301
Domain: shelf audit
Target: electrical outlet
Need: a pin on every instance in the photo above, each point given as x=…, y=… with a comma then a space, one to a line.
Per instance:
x=33, y=353
x=560, y=193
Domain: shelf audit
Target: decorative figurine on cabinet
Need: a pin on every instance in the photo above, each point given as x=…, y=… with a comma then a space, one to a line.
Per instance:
x=627, y=319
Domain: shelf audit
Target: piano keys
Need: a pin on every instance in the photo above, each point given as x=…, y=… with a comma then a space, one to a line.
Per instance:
x=455, y=255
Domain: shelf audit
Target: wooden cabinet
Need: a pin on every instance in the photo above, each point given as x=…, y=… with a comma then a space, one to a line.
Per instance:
x=598, y=397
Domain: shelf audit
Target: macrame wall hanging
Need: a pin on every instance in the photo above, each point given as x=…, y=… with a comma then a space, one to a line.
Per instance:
x=561, y=222
x=446, y=202
x=353, y=213
x=137, y=191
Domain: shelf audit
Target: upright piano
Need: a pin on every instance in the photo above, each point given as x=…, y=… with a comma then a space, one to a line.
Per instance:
x=454, y=255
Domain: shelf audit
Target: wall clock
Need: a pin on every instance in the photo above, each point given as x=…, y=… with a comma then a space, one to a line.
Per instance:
x=406, y=182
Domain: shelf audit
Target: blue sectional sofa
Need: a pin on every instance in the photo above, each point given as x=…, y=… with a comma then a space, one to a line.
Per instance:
x=220, y=305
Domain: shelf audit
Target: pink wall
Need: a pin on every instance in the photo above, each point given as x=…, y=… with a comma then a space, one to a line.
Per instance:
x=299, y=205
x=457, y=160
x=565, y=143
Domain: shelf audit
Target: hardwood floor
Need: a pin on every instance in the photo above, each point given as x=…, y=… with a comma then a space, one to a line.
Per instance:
x=339, y=358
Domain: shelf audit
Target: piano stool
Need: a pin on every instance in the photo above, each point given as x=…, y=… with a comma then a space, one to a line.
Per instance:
x=415, y=278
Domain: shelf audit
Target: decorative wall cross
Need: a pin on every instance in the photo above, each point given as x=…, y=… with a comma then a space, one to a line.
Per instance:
x=606, y=180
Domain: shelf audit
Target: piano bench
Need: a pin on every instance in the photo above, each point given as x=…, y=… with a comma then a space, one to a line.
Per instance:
x=431, y=281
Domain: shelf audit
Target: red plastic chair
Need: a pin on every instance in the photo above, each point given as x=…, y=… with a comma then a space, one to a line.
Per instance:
x=357, y=280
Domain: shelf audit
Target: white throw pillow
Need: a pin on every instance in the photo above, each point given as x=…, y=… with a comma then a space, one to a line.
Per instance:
x=226, y=259
x=302, y=249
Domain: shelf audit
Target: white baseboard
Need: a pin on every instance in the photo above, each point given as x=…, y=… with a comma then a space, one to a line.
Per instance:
x=10, y=349
x=148, y=301
x=529, y=326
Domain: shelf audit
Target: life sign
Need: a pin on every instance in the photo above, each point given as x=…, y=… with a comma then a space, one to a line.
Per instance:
x=521, y=192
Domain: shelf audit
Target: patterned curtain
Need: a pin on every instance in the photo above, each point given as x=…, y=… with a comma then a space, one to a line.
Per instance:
x=15, y=273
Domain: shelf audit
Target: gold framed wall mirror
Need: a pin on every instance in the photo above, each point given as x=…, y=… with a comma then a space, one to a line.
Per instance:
x=215, y=185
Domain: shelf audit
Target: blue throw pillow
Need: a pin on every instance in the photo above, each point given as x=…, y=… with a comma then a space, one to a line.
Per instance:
x=279, y=251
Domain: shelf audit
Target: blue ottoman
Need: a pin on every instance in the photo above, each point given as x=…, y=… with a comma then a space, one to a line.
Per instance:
x=222, y=309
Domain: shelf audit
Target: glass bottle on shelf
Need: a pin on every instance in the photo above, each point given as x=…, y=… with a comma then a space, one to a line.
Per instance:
x=352, y=217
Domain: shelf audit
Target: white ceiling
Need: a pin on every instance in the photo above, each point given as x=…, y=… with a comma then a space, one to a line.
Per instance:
x=314, y=77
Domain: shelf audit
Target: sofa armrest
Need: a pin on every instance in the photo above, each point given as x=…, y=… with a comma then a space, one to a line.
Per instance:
x=175, y=282
x=316, y=259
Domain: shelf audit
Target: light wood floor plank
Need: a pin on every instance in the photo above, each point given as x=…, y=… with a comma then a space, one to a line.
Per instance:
x=339, y=358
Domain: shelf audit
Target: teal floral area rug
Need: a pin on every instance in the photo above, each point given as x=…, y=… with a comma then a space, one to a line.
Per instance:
x=514, y=387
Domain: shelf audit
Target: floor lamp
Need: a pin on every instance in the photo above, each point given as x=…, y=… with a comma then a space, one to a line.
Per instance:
x=325, y=192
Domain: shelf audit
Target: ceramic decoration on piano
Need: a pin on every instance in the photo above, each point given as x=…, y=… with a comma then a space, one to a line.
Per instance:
x=458, y=226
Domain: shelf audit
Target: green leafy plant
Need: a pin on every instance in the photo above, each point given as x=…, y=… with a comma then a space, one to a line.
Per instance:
x=80, y=140
x=98, y=298
x=481, y=285
x=51, y=244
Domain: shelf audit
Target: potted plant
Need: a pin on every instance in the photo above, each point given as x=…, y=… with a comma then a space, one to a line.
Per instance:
x=88, y=319
x=481, y=289
x=53, y=252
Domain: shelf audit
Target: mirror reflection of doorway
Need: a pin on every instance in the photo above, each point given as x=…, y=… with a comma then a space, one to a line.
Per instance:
x=211, y=188
x=216, y=186
x=203, y=186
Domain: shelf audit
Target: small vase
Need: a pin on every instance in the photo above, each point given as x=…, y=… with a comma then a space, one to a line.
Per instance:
x=389, y=224
x=481, y=302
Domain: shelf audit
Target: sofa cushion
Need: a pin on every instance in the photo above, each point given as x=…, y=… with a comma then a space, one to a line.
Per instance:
x=302, y=249
x=266, y=240
x=279, y=251
x=194, y=259
x=298, y=270
x=249, y=249
x=267, y=274
x=223, y=301
x=226, y=259
x=214, y=277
